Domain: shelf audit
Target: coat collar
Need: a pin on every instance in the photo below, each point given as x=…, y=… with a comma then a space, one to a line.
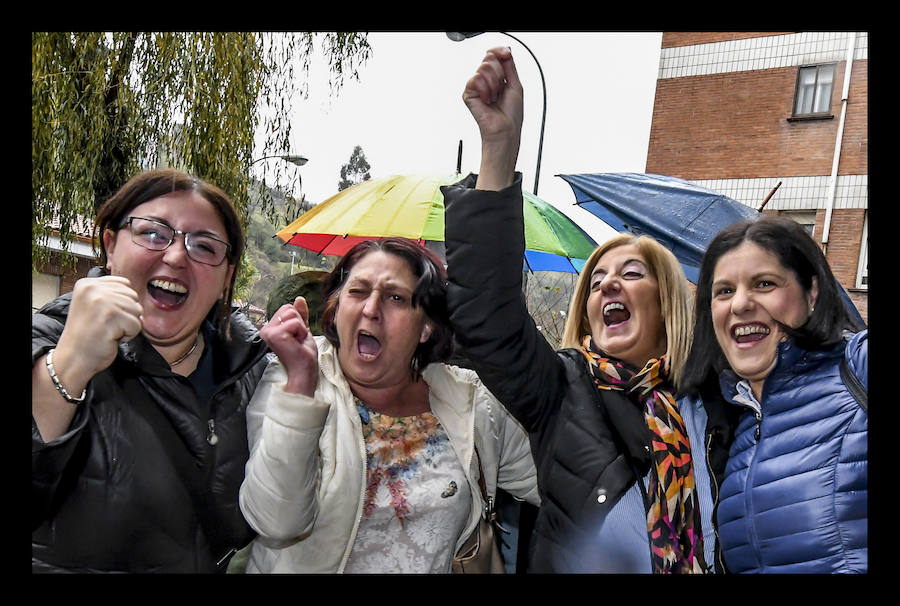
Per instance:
x=790, y=360
x=451, y=395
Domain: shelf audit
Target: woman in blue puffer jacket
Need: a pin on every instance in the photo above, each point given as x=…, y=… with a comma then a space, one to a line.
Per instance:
x=772, y=327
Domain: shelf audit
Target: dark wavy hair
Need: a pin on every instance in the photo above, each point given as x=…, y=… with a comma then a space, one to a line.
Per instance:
x=430, y=293
x=796, y=251
x=152, y=184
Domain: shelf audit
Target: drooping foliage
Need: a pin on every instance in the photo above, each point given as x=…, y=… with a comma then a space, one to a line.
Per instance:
x=107, y=105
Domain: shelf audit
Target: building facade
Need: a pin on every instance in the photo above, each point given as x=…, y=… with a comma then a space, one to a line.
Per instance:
x=60, y=273
x=774, y=120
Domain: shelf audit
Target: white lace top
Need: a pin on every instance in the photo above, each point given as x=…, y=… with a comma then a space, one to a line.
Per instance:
x=417, y=497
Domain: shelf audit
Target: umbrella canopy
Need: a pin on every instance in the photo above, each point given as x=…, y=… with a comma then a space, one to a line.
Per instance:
x=682, y=216
x=412, y=206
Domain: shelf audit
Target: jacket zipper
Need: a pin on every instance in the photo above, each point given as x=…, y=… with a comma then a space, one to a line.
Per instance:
x=748, y=484
x=212, y=438
x=717, y=548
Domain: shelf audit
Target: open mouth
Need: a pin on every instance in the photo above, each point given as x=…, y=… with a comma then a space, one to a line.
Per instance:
x=166, y=292
x=615, y=313
x=367, y=345
x=748, y=333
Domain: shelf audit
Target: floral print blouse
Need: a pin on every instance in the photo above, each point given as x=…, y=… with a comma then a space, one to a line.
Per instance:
x=417, y=497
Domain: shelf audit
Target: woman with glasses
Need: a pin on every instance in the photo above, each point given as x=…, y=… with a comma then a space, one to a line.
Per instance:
x=140, y=380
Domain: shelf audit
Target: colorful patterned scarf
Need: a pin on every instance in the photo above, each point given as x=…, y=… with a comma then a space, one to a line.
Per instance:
x=673, y=515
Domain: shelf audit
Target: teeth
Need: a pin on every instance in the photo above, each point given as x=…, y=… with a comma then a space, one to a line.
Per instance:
x=170, y=286
x=613, y=306
x=742, y=331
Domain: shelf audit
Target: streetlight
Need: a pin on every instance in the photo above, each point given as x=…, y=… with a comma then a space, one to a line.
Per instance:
x=292, y=158
x=460, y=36
x=298, y=160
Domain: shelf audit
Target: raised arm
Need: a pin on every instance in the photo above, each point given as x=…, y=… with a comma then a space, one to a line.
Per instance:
x=485, y=239
x=279, y=495
x=102, y=312
x=494, y=97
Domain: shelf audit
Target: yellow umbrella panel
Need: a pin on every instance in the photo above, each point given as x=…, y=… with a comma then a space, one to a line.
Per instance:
x=407, y=206
x=412, y=206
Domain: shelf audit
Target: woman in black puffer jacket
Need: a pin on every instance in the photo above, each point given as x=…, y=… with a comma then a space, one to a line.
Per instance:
x=621, y=466
x=140, y=382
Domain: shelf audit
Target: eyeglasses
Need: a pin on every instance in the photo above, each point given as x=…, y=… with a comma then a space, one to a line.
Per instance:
x=156, y=235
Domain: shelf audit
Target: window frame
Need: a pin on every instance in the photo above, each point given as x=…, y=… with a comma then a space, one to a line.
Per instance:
x=862, y=268
x=795, y=115
x=810, y=217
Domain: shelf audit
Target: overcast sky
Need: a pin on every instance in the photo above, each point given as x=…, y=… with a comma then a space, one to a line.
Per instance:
x=407, y=114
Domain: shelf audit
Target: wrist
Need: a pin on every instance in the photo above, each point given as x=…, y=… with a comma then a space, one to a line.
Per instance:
x=498, y=165
x=77, y=395
x=299, y=386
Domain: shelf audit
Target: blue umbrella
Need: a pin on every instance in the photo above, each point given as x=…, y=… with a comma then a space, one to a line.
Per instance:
x=682, y=216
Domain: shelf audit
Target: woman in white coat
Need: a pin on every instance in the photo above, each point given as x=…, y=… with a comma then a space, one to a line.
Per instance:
x=363, y=441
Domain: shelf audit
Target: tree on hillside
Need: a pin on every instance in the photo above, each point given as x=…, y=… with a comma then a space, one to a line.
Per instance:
x=356, y=170
x=106, y=105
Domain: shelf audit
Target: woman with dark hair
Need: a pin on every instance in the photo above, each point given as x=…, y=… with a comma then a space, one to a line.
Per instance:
x=773, y=331
x=140, y=380
x=366, y=448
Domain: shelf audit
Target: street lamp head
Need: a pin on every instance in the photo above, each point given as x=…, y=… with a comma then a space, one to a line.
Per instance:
x=460, y=36
x=293, y=159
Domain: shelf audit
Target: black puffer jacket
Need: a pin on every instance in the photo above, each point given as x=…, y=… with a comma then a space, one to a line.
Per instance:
x=135, y=486
x=583, y=468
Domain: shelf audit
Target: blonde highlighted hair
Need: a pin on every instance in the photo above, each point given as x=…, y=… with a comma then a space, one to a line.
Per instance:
x=675, y=298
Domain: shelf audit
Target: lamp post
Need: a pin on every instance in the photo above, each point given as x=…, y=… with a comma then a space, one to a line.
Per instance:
x=292, y=158
x=460, y=36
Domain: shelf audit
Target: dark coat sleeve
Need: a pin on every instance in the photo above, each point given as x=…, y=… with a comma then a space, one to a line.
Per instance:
x=485, y=241
x=49, y=459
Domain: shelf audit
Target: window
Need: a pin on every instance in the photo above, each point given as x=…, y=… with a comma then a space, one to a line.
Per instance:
x=862, y=272
x=806, y=218
x=44, y=288
x=814, y=86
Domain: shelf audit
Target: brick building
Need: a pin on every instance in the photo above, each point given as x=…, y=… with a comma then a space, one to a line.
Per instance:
x=744, y=113
x=58, y=275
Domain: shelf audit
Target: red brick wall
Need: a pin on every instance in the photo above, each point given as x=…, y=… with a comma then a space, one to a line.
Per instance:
x=734, y=125
x=861, y=301
x=671, y=39
x=842, y=253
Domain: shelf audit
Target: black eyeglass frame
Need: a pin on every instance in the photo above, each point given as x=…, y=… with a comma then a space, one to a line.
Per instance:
x=187, y=238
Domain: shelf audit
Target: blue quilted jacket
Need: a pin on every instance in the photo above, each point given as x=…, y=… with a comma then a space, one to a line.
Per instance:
x=794, y=497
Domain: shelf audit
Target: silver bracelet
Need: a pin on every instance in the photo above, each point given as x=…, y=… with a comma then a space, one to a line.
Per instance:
x=59, y=387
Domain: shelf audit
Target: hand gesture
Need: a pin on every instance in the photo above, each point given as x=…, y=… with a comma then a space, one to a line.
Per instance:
x=288, y=335
x=494, y=97
x=103, y=312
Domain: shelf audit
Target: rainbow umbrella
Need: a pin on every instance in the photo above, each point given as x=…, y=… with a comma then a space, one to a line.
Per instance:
x=412, y=206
